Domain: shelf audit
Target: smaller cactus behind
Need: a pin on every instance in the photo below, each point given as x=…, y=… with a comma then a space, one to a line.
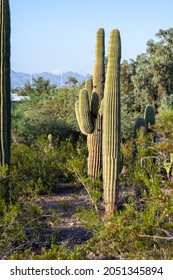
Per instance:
x=140, y=125
x=139, y=128
x=149, y=115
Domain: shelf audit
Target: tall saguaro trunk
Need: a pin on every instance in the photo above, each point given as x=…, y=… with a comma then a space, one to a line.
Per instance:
x=111, y=124
x=5, y=99
x=87, y=109
x=94, y=140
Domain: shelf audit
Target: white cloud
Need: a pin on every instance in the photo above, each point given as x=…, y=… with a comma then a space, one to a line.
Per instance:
x=56, y=71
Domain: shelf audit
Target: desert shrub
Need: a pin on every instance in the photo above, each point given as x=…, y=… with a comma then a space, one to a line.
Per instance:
x=142, y=228
x=42, y=162
x=23, y=224
x=45, y=114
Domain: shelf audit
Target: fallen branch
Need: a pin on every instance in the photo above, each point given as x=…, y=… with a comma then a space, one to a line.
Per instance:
x=157, y=237
x=165, y=231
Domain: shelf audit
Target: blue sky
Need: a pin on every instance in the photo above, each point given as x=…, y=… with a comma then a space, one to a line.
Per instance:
x=59, y=35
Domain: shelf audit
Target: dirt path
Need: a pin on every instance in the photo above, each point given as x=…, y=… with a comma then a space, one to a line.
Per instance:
x=70, y=228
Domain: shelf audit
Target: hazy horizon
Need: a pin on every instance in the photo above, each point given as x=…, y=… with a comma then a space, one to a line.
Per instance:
x=58, y=36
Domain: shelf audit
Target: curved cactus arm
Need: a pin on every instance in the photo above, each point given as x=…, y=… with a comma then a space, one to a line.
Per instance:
x=78, y=114
x=149, y=115
x=86, y=120
x=78, y=118
x=111, y=124
x=140, y=125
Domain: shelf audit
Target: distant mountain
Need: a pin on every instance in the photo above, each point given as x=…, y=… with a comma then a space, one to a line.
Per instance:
x=19, y=79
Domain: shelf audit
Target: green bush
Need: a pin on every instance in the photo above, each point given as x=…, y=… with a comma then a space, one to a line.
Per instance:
x=43, y=162
x=43, y=115
x=23, y=224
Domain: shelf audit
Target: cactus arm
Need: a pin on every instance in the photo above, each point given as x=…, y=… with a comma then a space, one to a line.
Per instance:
x=77, y=111
x=86, y=120
x=78, y=114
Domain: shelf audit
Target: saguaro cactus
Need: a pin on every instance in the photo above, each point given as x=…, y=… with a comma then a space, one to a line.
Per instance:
x=5, y=100
x=111, y=124
x=149, y=115
x=87, y=109
x=140, y=125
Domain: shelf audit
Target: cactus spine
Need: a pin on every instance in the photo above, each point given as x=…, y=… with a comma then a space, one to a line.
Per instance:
x=89, y=120
x=5, y=100
x=111, y=124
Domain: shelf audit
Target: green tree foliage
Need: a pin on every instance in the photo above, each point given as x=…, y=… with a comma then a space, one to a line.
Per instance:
x=154, y=68
x=142, y=82
x=38, y=87
x=161, y=60
x=146, y=80
x=126, y=74
x=72, y=80
x=49, y=113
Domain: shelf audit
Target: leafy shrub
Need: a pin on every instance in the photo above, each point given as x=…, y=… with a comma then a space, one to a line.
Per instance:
x=23, y=224
x=42, y=163
x=45, y=114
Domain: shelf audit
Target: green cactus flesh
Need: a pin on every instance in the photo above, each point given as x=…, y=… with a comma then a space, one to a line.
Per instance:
x=94, y=140
x=111, y=124
x=83, y=113
x=87, y=109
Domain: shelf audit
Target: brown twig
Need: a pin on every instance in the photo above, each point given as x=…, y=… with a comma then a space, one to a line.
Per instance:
x=170, y=238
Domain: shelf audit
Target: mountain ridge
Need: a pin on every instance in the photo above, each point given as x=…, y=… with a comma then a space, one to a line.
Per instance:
x=19, y=79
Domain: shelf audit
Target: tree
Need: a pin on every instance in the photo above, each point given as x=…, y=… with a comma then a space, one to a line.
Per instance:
x=72, y=80
x=161, y=61
x=41, y=85
x=153, y=76
x=142, y=82
x=126, y=74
